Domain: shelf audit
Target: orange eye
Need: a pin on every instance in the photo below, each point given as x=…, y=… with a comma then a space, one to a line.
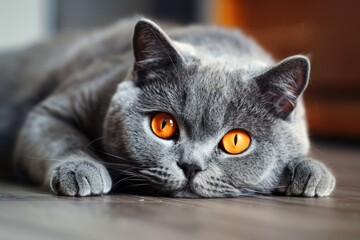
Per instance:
x=236, y=141
x=163, y=125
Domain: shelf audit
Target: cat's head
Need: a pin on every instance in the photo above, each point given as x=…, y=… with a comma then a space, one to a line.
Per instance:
x=191, y=127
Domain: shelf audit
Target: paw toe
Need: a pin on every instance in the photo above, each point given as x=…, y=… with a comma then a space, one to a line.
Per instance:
x=90, y=176
x=68, y=185
x=325, y=186
x=299, y=181
x=84, y=186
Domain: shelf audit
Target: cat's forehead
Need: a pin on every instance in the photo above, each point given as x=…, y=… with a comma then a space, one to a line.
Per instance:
x=214, y=98
x=216, y=82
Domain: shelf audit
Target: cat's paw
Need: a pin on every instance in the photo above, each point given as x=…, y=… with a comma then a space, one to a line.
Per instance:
x=80, y=178
x=311, y=179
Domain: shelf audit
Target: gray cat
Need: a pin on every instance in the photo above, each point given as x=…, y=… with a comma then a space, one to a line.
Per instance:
x=200, y=112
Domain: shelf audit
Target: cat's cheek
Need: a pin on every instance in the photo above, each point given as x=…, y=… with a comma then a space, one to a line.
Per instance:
x=116, y=116
x=249, y=175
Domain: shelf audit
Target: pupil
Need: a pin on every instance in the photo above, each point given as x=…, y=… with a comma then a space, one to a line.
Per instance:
x=163, y=123
x=235, y=139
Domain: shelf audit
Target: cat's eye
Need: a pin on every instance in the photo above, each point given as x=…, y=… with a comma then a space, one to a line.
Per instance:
x=235, y=141
x=164, y=125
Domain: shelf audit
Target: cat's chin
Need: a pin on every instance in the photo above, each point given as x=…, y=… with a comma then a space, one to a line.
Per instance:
x=186, y=191
x=185, y=194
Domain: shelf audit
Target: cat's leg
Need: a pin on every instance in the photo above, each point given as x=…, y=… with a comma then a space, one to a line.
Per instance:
x=51, y=150
x=309, y=178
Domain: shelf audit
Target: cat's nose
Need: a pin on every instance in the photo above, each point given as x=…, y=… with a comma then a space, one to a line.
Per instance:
x=190, y=169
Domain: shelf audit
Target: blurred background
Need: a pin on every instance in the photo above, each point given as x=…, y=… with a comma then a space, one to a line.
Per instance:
x=326, y=30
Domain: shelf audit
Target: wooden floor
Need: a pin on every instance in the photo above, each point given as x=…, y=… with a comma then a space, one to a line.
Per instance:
x=32, y=213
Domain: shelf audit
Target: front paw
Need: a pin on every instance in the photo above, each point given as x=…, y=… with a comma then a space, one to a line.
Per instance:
x=80, y=178
x=311, y=179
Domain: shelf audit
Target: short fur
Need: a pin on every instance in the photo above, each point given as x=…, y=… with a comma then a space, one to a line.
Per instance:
x=91, y=130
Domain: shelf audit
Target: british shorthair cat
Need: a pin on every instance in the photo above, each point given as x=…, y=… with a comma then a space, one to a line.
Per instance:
x=198, y=111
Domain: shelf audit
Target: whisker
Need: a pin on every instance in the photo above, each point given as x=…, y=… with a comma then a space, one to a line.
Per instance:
x=132, y=178
x=93, y=141
x=139, y=185
x=115, y=156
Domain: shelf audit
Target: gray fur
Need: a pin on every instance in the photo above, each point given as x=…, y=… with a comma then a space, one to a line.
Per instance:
x=212, y=80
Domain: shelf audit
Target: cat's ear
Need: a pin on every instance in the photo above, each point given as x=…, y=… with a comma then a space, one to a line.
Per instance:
x=283, y=84
x=152, y=48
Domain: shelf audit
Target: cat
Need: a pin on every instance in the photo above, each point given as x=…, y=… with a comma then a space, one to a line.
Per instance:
x=196, y=112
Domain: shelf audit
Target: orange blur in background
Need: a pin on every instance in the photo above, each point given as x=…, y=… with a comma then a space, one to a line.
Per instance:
x=326, y=30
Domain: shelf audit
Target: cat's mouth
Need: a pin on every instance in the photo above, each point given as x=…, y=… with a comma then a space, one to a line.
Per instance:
x=192, y=189
x=187, y=191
